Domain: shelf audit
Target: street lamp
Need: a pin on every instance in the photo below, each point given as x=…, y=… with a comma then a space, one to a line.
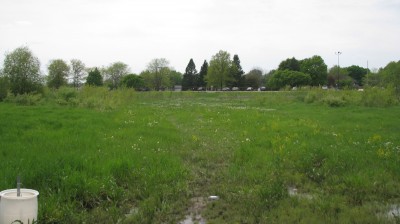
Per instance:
x=338, y=69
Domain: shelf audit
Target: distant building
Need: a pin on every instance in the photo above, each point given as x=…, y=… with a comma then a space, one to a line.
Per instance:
x=178, y=88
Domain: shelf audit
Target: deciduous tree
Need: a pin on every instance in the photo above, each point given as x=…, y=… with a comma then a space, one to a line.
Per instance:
x=115, y=72
x=290, y=78
x=219, y=70
x=291, y=64
x=22, y=69
x=316, y=68
x=156, y=75
x=133, y=81
x=357, y=73
x=58, y=73
x=78, y=72
x=254, y=78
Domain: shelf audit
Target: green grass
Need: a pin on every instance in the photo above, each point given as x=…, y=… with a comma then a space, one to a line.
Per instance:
x=96, y=156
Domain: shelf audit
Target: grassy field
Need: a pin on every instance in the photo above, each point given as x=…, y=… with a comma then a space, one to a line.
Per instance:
x=271, y=157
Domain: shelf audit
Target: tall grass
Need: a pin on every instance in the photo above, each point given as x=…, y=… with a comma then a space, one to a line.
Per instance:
x=100, y=156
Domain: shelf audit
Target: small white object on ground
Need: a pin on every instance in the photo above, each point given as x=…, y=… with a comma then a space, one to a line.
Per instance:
x=213, y=197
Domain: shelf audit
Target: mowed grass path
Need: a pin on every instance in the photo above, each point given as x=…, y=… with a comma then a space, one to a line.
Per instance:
x=150, y=156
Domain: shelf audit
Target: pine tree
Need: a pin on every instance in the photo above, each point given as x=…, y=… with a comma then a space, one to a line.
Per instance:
x=237, y=72
x=200, y=82
x=94, y=78
x=189, y=78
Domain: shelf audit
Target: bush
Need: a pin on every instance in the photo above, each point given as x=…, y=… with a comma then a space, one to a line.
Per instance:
x=3, y=88
x=25, y=99
x=334, y=101
x=376, y=97
x=311, y=97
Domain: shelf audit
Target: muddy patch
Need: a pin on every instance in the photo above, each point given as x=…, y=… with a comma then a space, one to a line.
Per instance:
x=198, y=204
x=394, y=212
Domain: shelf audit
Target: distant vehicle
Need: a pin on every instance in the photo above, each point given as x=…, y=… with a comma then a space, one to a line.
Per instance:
x=294, y=88
x=361, y=90
x=226, y=89
x=201, y=89
x=235, y=88
x=324, y=87
x=249, y=89
x=262, y=88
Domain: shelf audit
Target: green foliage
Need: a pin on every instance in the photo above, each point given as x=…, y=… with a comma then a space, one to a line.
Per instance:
x=133, y=81
x=219, y=71
x=58, y=73
x=94, y=78
x=202, y=74
x=157, y=74
x=291, y=64
x=115, y=72
x=254, y=78
x=175, y=78
x=25, y=99
x=391, y=76
x=237, y=73
x=316, y=68
x=290, y=78
x=77, y=72
x=22, y=69
x=339, y=76
x=126, y=157
x=379, y=97
x=357, y=73
x=190, y=77
x=4, y=87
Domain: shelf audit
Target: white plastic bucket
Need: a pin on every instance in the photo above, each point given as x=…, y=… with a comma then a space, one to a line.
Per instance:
x=22, y=209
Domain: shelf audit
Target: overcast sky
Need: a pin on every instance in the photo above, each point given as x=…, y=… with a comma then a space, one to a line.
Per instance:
x=261, y=32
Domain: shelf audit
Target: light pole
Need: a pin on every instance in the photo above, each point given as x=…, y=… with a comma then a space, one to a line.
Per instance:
x=338, y=68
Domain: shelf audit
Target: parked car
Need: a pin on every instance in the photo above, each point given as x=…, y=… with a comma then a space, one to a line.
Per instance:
x=226, y=89
x=262, y=88
x=201, y=89
x=235, y=88
x=249, y=89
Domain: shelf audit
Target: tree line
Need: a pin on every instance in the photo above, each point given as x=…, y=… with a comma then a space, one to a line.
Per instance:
x=21, y=74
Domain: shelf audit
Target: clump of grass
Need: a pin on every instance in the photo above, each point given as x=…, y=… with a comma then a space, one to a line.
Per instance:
x=375, y=97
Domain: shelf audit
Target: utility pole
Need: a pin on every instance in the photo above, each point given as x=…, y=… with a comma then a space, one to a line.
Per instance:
x=338, y=69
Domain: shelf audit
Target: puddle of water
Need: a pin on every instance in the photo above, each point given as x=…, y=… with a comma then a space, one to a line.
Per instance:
x=394, y=211
x=198, y=204
x=193, y=220
x=293, y=192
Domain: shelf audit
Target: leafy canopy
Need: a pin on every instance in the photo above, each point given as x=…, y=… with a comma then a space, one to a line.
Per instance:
x=22, y=69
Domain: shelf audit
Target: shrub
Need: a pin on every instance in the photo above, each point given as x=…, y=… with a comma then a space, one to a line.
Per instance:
x=25, y=99
x=334, y=101
x=376, y=97
x=311, y=97
x=3, y=88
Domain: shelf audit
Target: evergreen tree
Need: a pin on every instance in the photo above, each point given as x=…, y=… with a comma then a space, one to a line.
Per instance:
x=189, y=78
x=200, y=82
x=237, y=72
x=94, y=78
